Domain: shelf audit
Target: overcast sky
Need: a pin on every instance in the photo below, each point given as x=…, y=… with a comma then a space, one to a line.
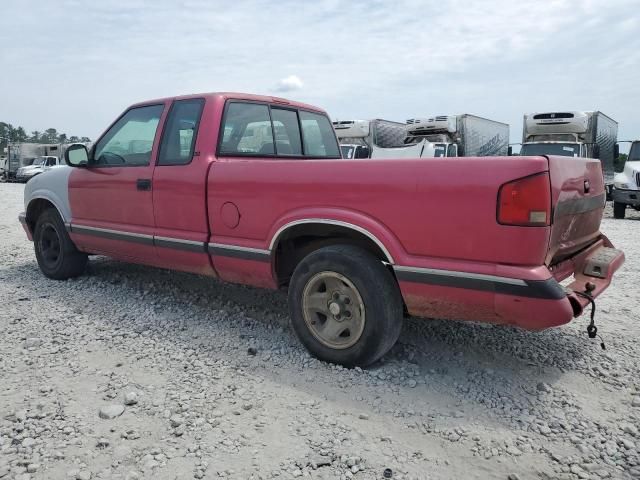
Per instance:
x=75, y=65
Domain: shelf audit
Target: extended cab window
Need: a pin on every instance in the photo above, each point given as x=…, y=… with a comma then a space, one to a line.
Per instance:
x=287, y=131
x=247, y=130
x=130, y=140
x=179, y=137
x=318, y=136
x=255, y=129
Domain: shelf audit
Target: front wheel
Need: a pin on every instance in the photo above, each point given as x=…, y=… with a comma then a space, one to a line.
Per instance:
x=57, y=256
x=619, y=209
x=345, y=305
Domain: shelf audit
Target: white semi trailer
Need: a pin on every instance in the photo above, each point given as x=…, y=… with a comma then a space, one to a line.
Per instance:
x=588, y=134
x=444, y=136
x=462, y=135
x=376, y=139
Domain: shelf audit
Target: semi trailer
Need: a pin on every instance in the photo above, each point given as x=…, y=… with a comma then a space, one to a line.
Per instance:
x=375, y=138
x=589, y=134
x=462, y=135
x=442, y=136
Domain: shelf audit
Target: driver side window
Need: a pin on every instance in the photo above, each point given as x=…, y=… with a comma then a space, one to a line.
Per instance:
x=130, y=140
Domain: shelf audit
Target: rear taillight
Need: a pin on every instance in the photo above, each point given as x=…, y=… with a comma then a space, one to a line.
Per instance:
x=526, y=201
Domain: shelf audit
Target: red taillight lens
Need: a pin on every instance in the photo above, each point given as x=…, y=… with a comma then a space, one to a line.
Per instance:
x=526, y=201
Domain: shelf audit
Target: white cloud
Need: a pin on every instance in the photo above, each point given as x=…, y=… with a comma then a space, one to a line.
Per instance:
x=289, y=84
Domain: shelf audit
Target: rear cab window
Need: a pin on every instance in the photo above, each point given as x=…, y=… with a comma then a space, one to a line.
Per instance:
x=263, y=130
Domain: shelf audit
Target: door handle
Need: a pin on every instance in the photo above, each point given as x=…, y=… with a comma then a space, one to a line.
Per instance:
x=143, y=184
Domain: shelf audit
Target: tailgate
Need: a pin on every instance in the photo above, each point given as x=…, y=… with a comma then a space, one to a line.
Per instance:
x=578, y=199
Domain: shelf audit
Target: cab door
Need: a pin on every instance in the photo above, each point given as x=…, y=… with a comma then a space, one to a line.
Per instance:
x=180, y=187
x=111, y=199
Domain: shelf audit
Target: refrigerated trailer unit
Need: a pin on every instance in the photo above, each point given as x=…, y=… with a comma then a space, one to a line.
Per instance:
x=462, y=135
x=589, y=134
x=375, y=138
x=445, y=136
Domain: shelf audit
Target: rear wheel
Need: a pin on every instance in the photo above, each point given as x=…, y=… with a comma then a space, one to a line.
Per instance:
x=345, y=305
x=57, y=256
x=619, y=209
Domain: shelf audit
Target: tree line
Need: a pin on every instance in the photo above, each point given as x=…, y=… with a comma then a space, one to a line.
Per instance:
x=11, y=134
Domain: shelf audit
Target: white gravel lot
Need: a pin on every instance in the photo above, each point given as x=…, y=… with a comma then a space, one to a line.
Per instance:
x=171, y=351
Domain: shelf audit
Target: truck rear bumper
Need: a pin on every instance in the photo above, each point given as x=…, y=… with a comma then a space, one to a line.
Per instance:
x=522, y=300
x=628, y=197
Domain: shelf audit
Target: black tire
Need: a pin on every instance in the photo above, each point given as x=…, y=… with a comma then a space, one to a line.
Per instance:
x=619, y=209
x=378, y=293
x=58, y=258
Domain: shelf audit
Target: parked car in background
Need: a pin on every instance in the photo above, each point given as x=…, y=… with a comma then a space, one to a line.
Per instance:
x=626, y=191
x=39, y=165
x=253, y=189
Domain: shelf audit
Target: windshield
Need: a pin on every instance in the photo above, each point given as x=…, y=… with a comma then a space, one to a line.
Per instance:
x=561, y=149
x=39, y=161
x=347, y=151
x=354, y=151
x=634, y=153
x=440, y=150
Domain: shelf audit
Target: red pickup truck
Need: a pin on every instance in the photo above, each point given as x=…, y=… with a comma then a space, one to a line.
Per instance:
x=253, y=190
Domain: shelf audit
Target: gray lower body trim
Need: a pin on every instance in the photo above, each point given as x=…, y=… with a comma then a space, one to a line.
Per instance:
x=543, y=289
x=180, y=244
x=579, y=205
x=113, y=234
x=220, y=249
x=236, y=251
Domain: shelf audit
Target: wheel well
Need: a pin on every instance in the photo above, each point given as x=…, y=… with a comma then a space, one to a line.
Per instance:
x=298, y=241
x=34, y=209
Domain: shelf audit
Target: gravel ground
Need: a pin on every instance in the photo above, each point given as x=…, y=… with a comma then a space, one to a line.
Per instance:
x=131, y=372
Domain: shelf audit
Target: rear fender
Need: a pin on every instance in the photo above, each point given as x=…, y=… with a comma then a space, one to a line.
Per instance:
x=370, y=227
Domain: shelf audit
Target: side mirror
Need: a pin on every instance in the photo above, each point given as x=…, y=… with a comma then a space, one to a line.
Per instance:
x=596, y=151
x=510, y=151
x=616, y=151
x=77, y=155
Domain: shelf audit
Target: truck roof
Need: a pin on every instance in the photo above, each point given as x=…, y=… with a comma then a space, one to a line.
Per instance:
x=235, y=96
